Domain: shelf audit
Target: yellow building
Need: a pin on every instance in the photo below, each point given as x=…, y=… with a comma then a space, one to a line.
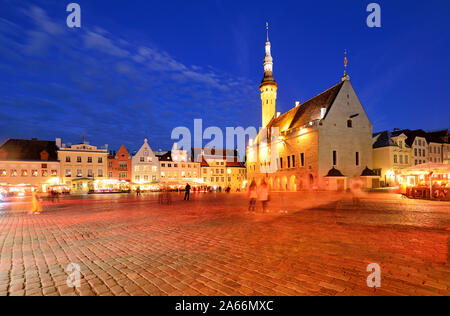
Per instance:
x=390, y=155
x=221, y=168
x=83, y=167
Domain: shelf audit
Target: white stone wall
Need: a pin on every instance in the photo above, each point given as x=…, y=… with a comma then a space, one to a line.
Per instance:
x=335, y=135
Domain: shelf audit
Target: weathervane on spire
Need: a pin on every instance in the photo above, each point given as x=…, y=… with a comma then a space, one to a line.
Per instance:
x=346, y=77
x=267, y=28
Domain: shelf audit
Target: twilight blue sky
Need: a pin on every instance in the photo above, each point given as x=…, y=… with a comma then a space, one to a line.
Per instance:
x=138, y=68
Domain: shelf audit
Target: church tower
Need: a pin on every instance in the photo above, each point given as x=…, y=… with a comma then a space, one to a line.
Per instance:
x=268, y=86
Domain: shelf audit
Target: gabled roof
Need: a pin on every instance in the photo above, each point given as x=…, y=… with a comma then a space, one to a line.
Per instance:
x=384, y=140
x=439, y=137
x=29, y=150
x=308, y=111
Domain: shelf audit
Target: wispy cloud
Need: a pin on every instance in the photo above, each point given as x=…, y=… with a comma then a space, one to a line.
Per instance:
x=64, y=82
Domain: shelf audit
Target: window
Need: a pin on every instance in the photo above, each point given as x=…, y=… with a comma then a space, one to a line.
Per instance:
x=78, y=159
x=163, y=174
x=90, y=173
x=289, y=161
x=357, y=158
x=154, y=169
x=395, y=159
x=100, y=173
x=349, y=124
x=13, y=173
x=89, y=160
x=100, y=160
x=406, y=160
x=145, y=178
x=123, y=164
x=44, y=166
x=67, y=159
x=415, y=151
x=3, y=173
x=110, y=174
x=281, y=163
x=137, y=178
x=24, y=173
x=34, y=173
x=223, y=179
x=44, y=173
x=163, y=165
x=293, y=161
x=142, y=159
x=110, y=164
x=302, y=158
x=334, y=158
x=149, y=159
x=68, y=173
x=401, y=159
x=79, y=173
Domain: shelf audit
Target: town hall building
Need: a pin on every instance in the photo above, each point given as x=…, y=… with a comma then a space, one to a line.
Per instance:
x=322, y=143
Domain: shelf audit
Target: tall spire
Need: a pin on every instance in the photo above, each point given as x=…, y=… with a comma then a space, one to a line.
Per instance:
x=268, y=62
x=346, y=76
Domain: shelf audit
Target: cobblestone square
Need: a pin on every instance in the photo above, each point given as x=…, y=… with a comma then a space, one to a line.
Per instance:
x=308, y=244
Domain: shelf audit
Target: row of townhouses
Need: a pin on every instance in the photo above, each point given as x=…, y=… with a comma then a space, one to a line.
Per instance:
x=81, y=168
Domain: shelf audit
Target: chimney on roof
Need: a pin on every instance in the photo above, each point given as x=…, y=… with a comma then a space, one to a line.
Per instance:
x=297, y=103
x=59, y=142
x=278, y=114
x=84, y=139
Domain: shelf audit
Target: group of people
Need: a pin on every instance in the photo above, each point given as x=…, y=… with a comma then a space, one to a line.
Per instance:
x=260, y=193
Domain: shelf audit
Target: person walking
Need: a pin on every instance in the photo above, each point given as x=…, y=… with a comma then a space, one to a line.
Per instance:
x=188, y=192
x=252, y=195
x=36, y=203
x=263, y=195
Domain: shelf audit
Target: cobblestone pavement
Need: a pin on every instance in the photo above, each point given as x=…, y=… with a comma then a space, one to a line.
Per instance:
x=211, y=246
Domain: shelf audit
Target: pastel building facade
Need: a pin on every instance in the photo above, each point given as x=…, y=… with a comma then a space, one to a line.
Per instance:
x=145, y=166
x=82, y=165
x=120, y=165
x=29, y=164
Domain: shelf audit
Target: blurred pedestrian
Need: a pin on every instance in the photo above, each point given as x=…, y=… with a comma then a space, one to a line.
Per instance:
x=36, y=207
x=252, y=195
x=263, y=195
x=188, y=192
x=356, y=189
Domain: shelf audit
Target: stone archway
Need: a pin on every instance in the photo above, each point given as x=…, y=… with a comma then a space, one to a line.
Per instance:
x=276, y=185
x=284, y=183
x=270, y=183
x=311, y=180
x=293, y=184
